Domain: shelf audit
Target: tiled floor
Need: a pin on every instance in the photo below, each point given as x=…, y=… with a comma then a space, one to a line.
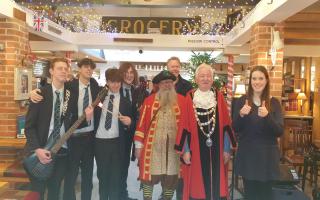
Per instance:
x=134, y=184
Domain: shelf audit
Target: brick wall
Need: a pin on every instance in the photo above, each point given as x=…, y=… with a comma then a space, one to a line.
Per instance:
x=260, y=43
x=14, y=35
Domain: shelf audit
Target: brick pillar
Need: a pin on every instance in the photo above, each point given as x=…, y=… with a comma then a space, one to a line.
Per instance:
x=14, y=35
x=260, y=44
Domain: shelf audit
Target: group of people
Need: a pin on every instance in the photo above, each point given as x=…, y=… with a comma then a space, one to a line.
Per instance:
x=181, y=136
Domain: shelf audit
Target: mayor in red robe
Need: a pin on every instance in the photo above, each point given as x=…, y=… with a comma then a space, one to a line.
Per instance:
x=205, y=142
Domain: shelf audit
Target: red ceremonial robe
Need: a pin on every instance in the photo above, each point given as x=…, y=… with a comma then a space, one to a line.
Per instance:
x=146, y=129
x=192, y=174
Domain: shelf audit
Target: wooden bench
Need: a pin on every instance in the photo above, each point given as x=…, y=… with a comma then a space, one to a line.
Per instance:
x=12, y=143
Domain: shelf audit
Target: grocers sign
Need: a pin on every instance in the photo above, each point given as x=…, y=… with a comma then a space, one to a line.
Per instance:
x=140, y=25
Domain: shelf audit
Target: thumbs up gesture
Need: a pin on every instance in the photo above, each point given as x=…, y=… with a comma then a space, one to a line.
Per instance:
x=245, y=110
x=262, y=110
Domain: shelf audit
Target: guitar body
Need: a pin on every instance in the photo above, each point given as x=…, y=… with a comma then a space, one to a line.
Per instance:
x=40, y=171
x=35, y=168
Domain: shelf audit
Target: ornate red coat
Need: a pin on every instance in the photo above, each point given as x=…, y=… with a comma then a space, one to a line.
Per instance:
x=146, y=127
x=192, y=174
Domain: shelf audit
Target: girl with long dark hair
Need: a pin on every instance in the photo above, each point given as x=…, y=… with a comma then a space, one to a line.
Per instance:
x=258, y=122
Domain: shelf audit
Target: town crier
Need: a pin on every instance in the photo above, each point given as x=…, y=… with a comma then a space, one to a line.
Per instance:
x=155, y=136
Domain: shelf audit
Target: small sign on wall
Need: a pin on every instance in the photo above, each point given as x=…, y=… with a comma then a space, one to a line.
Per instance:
x=22, y=83
x=20, y=126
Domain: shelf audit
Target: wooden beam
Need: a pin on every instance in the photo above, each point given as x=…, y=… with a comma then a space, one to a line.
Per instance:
x=12, y=143
x=34, y=37
x=19, y=14
x=305, y=17
x=303, y=25
x=301, y=34
x=302, y=42
x=302, y=30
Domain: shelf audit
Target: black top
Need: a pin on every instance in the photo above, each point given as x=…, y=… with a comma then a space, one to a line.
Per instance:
x=183, y=86
x=94, y=88
x=132, y=108
x=138, y=97
x=258, y=153
x=39, y=116
x=210, y=156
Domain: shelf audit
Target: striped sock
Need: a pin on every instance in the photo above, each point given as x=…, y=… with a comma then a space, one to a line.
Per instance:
x=147, y=191
x=168, y=194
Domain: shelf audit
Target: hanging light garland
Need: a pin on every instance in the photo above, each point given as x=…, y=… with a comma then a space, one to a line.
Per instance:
x=208, y=16
x=212, y=14
x=76, y=18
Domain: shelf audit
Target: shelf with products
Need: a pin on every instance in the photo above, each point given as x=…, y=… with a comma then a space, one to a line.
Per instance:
x=292, y=90
x=292, y=86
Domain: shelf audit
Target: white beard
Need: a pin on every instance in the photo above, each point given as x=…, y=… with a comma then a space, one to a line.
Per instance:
x=167, y=97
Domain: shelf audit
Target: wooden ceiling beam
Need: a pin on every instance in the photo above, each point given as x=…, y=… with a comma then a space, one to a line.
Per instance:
x=302, y=33
x=302, y=42
x=302, y=30
x=303, y=25
x=34, y=37
x=305, y=17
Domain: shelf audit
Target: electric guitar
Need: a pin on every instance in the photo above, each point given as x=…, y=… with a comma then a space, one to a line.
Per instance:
x=32, y=164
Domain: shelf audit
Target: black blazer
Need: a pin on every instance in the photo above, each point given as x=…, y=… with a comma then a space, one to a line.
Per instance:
x=124, y=109
x=74, y=85
x=133, y=109
x=39, y=116
x=183, y=86
x=122, y=95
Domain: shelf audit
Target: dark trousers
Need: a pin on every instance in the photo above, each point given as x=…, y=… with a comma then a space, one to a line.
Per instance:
x=125, y=167
x=109, y=159
x=179, y=189
x=54, y=182
x=257, y=190
x=80, y=155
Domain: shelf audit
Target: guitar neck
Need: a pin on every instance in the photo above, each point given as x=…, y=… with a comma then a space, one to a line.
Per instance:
x=70, y=131
x=67, y=134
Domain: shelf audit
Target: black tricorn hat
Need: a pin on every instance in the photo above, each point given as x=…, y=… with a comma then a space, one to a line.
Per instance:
x=163, y=75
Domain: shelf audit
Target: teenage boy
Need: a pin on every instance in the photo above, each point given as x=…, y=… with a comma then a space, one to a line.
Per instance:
x=81, y=144
x=113, y=128
x=46, y=121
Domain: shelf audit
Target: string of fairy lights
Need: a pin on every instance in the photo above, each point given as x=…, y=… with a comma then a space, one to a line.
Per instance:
x=213, y=14
x=209, y=16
